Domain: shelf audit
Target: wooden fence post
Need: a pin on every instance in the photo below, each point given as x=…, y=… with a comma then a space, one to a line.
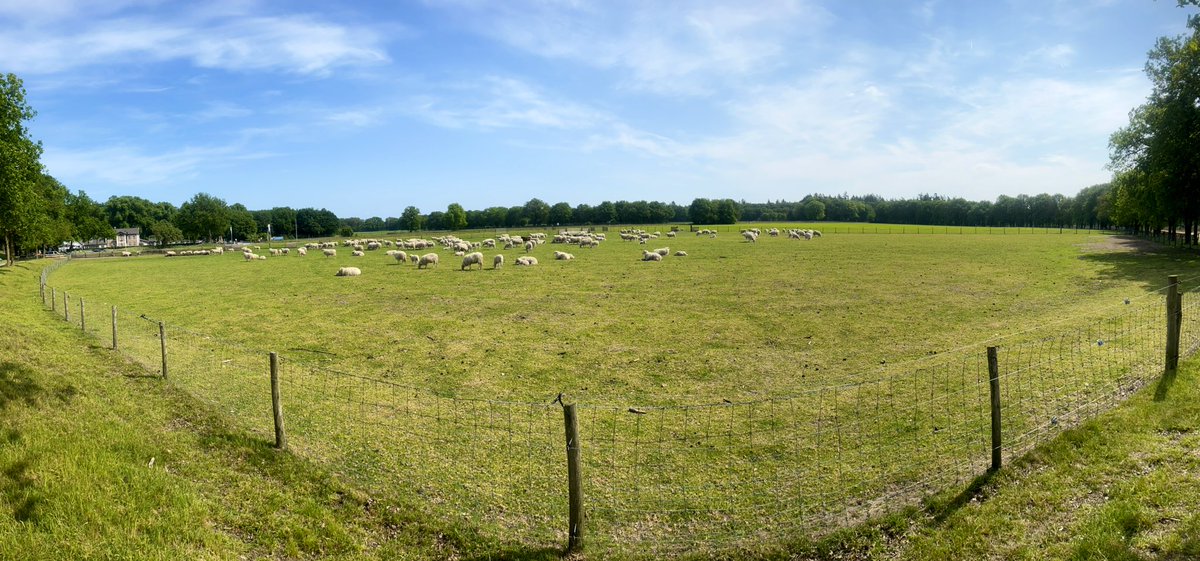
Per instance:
x=994, y=389
x=66, y=307
x=114, y=325
x=277, y=405
x=82, y=317
x=42, y=289
x=53, y=299
x=162, y=338
x=1174, y=319
x=574, y=481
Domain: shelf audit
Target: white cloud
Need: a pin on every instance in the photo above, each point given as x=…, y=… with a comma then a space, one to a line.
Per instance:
x=499, y=103
x=295, y=43
x=659, y=48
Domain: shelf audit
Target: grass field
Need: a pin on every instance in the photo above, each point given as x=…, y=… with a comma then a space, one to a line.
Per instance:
x=438, y=384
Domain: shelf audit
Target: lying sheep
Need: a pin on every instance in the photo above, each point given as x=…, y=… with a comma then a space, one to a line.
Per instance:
x=563, y=256
x=497, y=261
x=681, y=253
x=348, y=272
x=473, y=258
x=663, y=251
x=526, y=261
x=330, y=252
x=427, y=260
x=651, y=256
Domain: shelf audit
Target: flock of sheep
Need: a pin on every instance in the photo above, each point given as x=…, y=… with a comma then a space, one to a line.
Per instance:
x=472, y=258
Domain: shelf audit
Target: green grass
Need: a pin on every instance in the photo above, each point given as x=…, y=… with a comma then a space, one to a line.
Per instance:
x=99, y=460
x=734, y=324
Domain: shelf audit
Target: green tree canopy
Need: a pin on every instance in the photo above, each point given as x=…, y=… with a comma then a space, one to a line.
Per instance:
x=456, y=217
x=410, y=219
x=21, y=206
x=203, y=217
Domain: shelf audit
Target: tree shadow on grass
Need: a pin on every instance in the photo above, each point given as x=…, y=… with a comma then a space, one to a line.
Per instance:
x=1129, y=258
x=16, y=386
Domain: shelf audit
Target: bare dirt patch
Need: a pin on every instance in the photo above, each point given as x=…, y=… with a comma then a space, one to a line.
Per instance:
x=1121, y=244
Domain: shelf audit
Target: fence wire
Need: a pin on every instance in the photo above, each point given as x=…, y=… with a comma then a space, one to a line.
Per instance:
x=661, y=480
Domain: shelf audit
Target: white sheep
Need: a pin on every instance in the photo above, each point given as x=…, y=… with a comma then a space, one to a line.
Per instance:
x=249, y=255
x=563, y=256
x=528, y=246
x=414, y=258
x=301, y=251
x=401, y=257
x=348, y=272
x=651, y=256
x=357, y=253
x=473, y=258
x=663, y=251
x=526, y=261
x=750, y=236
x=427, y=260
x=329, y=252
x=497, y=261
x=671, y=234
x=126, y=254
x=681, y=253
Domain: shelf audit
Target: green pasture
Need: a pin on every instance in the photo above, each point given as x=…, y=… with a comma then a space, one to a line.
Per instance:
x=730, y=400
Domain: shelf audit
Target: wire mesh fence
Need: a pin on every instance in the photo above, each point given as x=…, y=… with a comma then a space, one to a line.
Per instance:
x=659, y=480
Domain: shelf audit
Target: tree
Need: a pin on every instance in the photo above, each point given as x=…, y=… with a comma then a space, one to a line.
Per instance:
x=411, y=218
x=373, y=224
x=1154, y=158
x=88, y=220
x=537, y=211
x=244, y=223
x=560, y=213
x=20, y=168
x=814, y=210
x=204, y=216
x=456, y=217
x=166, y=233
x=283, y=220
x=604, y=213
x=727, y=211
x=315, y=223
x=702, y=211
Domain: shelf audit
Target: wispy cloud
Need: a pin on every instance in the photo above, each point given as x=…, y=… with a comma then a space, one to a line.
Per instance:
x=499, y=103
x=299, y=44
x=661, y=48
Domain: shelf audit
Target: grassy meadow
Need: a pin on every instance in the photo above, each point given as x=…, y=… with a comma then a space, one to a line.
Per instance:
x=733, y=400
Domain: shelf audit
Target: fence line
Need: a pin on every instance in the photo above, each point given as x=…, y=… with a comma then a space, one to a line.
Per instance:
x=663, y=479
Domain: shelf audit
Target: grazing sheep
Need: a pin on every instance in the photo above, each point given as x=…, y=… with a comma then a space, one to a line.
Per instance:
x=670, y=234
x=427, y=260
x=663, y=251
x=169, y=253
x=528, y=246
x=680, y=253
x=249, y=255
x=357, y=253
x=372, y=245
x=651, y=256
x=816, y=233
x=126, y=254
x=401, y=257
x=301, y=251
x=750, y=236
x=497, y=261
x=329, y=252
x=348, y=272
x=473, y=258
x=563, y=256
x=414, y=258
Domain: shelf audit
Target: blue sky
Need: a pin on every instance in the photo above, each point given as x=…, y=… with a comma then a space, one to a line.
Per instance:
x=366, y=108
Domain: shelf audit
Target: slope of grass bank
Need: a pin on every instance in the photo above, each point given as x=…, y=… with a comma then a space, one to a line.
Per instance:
x=99, y=460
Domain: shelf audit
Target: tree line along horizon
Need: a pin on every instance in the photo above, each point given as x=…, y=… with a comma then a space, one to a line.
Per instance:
x=1155, y=161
